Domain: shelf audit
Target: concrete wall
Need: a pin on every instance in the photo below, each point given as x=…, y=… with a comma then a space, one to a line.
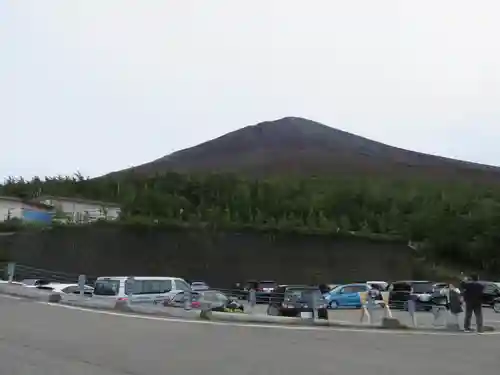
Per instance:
x=219, y=258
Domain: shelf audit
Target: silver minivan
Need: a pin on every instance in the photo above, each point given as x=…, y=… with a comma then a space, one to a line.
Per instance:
x=146, y=289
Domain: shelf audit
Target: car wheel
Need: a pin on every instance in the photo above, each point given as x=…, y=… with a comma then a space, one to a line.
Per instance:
x=334, y=305
x=496, y=307
x=273, y=311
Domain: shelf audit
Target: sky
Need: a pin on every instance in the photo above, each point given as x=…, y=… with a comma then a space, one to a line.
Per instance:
x=101, y=85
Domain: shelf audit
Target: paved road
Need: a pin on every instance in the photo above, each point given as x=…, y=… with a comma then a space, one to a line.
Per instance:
x=424, y=319
x=49, y=340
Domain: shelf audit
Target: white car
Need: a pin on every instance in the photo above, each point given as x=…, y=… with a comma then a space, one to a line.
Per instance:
x=66, y=288
x=34, y=283
x=380, y=285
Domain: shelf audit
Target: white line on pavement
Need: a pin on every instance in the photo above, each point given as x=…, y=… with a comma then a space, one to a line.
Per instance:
x=266, y=326
x=11, y=297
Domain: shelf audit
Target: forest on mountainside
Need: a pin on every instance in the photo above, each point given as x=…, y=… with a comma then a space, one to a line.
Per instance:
x=456, y=223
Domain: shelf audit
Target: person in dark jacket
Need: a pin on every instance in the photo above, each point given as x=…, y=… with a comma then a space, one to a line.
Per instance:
x=473, y=297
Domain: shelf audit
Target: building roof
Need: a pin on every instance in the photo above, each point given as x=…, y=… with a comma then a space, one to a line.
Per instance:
x=42, y=198
x=26, y=202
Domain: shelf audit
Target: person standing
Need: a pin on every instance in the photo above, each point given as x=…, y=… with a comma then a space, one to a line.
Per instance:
x=454, y=304
x=473, y=297
x=411, y=305
x=369, y=303
x=439, y=302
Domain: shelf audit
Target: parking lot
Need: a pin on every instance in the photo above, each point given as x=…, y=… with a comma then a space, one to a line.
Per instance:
x=424, y=319
x=41, y=339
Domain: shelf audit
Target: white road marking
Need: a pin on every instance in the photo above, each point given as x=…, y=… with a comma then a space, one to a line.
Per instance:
x=11, y=297
x=266, y=326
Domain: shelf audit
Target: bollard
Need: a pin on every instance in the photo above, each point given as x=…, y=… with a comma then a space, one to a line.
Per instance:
x=314, y=307
x=11, y=270
x=412, y=310
x=81, y=285
x=252, y=299
x=129, y=289
x=187, y=300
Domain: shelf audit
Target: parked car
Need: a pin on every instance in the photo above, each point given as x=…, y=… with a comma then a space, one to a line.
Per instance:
x=295, y=300
x=399, y=294
x=438, y=286
x=496, y=305
x=199, y=285
x=220, y=302
x=346, y=296
x=326, y=288
x=66, y=288
x=380, y=285
x=491, y=295
x=33, y=283
x=264, y=290
x=146, y=289
x=178, y=300
x=240, y=289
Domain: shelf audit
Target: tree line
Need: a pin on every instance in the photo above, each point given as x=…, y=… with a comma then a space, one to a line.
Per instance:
x=457, y=223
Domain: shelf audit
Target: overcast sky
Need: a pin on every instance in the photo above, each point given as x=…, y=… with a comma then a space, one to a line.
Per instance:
x=101, y=85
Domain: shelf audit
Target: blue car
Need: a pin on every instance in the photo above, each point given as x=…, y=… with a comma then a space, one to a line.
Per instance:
x=346, y=296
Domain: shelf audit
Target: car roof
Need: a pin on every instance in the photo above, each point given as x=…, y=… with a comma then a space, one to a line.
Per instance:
x=355, y=284
x=62, y=285
x=413, y=282
x=298, y=286
x=156, y=278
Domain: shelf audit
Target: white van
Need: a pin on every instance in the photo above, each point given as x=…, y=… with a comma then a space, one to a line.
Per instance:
x=146, y=289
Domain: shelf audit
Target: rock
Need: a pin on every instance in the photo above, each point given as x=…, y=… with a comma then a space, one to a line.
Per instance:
x=54, y=298
x=392, y=323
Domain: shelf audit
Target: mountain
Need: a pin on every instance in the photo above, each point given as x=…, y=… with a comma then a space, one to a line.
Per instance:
x=295, y=145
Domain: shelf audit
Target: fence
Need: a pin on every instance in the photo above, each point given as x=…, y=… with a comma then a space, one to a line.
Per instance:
x=24, y=272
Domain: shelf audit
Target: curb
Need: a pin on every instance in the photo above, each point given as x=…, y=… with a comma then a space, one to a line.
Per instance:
x=122, y=306
x=18, y=290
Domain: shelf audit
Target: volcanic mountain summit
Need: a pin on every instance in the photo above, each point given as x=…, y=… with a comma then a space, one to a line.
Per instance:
x=295, y=145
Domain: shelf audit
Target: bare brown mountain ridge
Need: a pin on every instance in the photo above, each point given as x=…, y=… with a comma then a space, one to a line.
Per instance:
x=298, y=146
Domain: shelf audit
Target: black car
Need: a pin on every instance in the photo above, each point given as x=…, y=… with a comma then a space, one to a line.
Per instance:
x=241, y=289
x=264, y=290
x=400, y=291
x=293, y=300
x=491, y=295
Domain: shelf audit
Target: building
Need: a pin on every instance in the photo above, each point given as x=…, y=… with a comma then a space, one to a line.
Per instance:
x=78, y=210
x=17, y=208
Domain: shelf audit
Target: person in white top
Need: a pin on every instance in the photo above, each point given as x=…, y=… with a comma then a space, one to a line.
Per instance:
x=447, y=299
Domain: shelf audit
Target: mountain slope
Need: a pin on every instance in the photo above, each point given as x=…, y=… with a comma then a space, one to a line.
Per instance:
x=298, y=146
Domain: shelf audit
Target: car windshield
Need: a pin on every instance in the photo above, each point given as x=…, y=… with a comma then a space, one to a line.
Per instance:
x=422, y=287
x=106, y=287
x=303, y=294
x=267, y=284
x=336, y=289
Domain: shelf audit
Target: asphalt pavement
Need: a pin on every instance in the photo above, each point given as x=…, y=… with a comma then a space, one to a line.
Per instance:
x=424, y=319
x=51, y=340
